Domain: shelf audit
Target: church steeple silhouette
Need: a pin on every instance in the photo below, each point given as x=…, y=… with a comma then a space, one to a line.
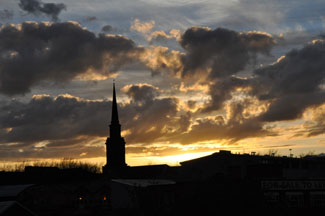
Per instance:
x=115, y=144
x=114, y=118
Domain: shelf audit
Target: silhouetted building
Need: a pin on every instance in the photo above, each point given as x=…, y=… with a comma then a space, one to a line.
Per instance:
x=115, y=144
x=224, y=164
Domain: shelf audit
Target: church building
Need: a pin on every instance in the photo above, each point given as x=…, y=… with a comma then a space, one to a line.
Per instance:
x=115, y=144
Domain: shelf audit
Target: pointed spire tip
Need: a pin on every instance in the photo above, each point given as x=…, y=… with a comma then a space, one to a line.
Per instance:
x=114, y=118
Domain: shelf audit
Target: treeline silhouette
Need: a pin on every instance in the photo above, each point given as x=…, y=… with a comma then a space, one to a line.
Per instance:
x=70, y=163
x=65, y=163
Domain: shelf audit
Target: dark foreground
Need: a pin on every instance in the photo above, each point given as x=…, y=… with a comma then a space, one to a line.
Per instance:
x=220, y=184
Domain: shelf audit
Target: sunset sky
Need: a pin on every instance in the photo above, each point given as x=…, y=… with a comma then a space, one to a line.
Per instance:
x=192, y=77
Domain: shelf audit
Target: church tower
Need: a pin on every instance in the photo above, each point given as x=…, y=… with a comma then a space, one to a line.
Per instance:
x=115, y=144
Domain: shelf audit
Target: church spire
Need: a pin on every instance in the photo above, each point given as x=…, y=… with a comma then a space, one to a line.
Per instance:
x=114, y=119
x=115, y=143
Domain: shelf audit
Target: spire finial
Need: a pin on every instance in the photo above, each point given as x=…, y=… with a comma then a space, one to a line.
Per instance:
x=114, y=119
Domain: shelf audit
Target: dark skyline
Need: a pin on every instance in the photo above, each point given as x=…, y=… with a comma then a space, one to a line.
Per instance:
x=191, y=78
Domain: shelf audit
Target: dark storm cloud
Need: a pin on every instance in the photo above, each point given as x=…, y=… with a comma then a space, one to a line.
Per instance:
x=152, y=121
x=141, y=92
x=48, y=127
x=37, y=7
x=69, y=121
x=47, y=118
x=33, y=52
x=218, y=55
x=69, y=126
x=300, y=71
x=6, y=14
x=47, y=124
x=225, y=51
x=221, y=91
x=289, y=86
x=150, y=118
x=292, y=106
x=292, y=84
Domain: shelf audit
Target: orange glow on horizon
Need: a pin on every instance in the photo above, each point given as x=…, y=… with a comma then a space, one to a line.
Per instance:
x=180, y=153
x=172, y=160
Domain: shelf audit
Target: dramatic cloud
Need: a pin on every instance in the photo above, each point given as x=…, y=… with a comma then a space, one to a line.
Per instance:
x=215, y=56
x=224, y=51
x=209, y=86
x=65, y=121
x=292, y=84
x=173, y=127
x=37, y=7
x=153, y=119
x=46, y=118
x=289, y=86
x=47, y=127
x=221, y=90
x=286, y=88
x=141, y=92
x=239, y=124
x=33, y=52
x=47, y=124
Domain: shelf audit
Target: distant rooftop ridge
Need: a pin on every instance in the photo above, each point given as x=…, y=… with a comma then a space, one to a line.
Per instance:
x=226, y=153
